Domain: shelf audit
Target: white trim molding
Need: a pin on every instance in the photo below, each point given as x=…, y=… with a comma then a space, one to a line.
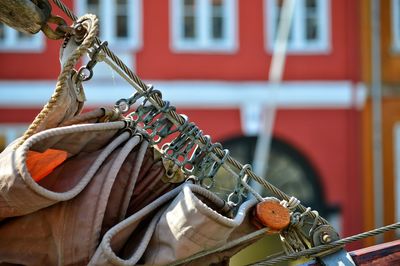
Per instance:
x=14, y=41
x=298, y=42
x=202, y=40
x=200, y=94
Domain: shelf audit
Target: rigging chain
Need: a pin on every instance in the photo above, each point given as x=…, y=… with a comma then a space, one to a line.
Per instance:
x=179, y=120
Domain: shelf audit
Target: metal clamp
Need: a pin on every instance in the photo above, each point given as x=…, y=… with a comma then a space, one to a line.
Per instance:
x=85, y=73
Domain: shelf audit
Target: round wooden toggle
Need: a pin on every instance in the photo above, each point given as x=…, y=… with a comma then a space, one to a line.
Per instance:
x=272, y=214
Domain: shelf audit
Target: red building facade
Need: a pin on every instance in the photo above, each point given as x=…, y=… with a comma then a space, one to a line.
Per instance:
x=211, y=59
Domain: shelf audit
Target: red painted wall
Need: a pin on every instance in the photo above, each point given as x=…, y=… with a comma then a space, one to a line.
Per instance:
x=330, y=140
x=251, y=62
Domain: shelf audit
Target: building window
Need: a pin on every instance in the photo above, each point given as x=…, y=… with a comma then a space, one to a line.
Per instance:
x=12, y=40
x=119, y=21
x=204, y=25
x=310, y=29
x=9, y=133
x=396, y=25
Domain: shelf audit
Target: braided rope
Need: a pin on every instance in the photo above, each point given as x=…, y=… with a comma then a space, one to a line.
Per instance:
x=62, y=78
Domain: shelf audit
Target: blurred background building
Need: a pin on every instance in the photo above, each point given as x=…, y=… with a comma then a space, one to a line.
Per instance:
x=210, y=58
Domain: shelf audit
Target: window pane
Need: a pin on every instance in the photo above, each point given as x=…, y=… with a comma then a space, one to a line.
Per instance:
x=24, y=36
x=2, y=32
x=217, y=28
x=93, y=6
x=217, y=3
x=311, y=4
x=311, y=29
x=188, y=3
x=189, y=19
x=217, y=19
x=189, y=29
x=311, y=20
x=121, y=19
x=122, y=26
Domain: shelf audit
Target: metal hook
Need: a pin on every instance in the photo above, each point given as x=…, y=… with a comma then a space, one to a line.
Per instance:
x=235, y=198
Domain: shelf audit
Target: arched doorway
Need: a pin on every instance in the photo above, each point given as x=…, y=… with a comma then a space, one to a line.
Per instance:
x=288, y=170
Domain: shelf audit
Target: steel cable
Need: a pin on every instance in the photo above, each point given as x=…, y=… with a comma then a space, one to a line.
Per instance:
x=335, y=244
x=179, y=120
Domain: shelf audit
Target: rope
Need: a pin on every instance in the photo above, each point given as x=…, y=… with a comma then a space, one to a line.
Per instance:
x=178, y=120
x=62, y=78
x=338, y=243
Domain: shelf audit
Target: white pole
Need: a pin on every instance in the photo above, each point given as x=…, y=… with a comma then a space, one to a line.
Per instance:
x=376, y=95
x=261, y=154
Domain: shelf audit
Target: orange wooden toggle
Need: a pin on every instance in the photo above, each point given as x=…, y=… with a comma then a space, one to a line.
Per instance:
x=40, y=164
x=271, y=214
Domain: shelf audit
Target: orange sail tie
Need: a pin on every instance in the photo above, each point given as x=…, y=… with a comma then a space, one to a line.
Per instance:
x=41, y=164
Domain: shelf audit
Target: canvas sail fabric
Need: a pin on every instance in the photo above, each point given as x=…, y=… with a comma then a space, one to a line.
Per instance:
x=106, y=204
x=60, y=220
x=85, y=189
x=178, y=224
x=108, y=197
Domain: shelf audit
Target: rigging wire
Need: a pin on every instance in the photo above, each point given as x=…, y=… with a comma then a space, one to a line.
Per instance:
x=335, y=244
x=177, y=119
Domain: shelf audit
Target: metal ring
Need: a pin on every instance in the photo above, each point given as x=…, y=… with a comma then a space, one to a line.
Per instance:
x=232, y=197
x=242, y=174
x=205, y=185
x=84, y=77
x=122, y=105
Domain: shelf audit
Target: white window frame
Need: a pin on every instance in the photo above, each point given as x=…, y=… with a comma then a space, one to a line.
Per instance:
x=11, y=42
x=107, y=23
x=10, y=132
x=298, y=44
x=395, y=26
x=204, y=42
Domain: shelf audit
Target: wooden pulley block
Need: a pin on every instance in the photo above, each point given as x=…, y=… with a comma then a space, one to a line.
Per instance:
x=270, y=213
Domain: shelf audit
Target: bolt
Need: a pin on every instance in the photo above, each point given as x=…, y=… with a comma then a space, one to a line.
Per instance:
x=80, y=32
x=326, y=238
